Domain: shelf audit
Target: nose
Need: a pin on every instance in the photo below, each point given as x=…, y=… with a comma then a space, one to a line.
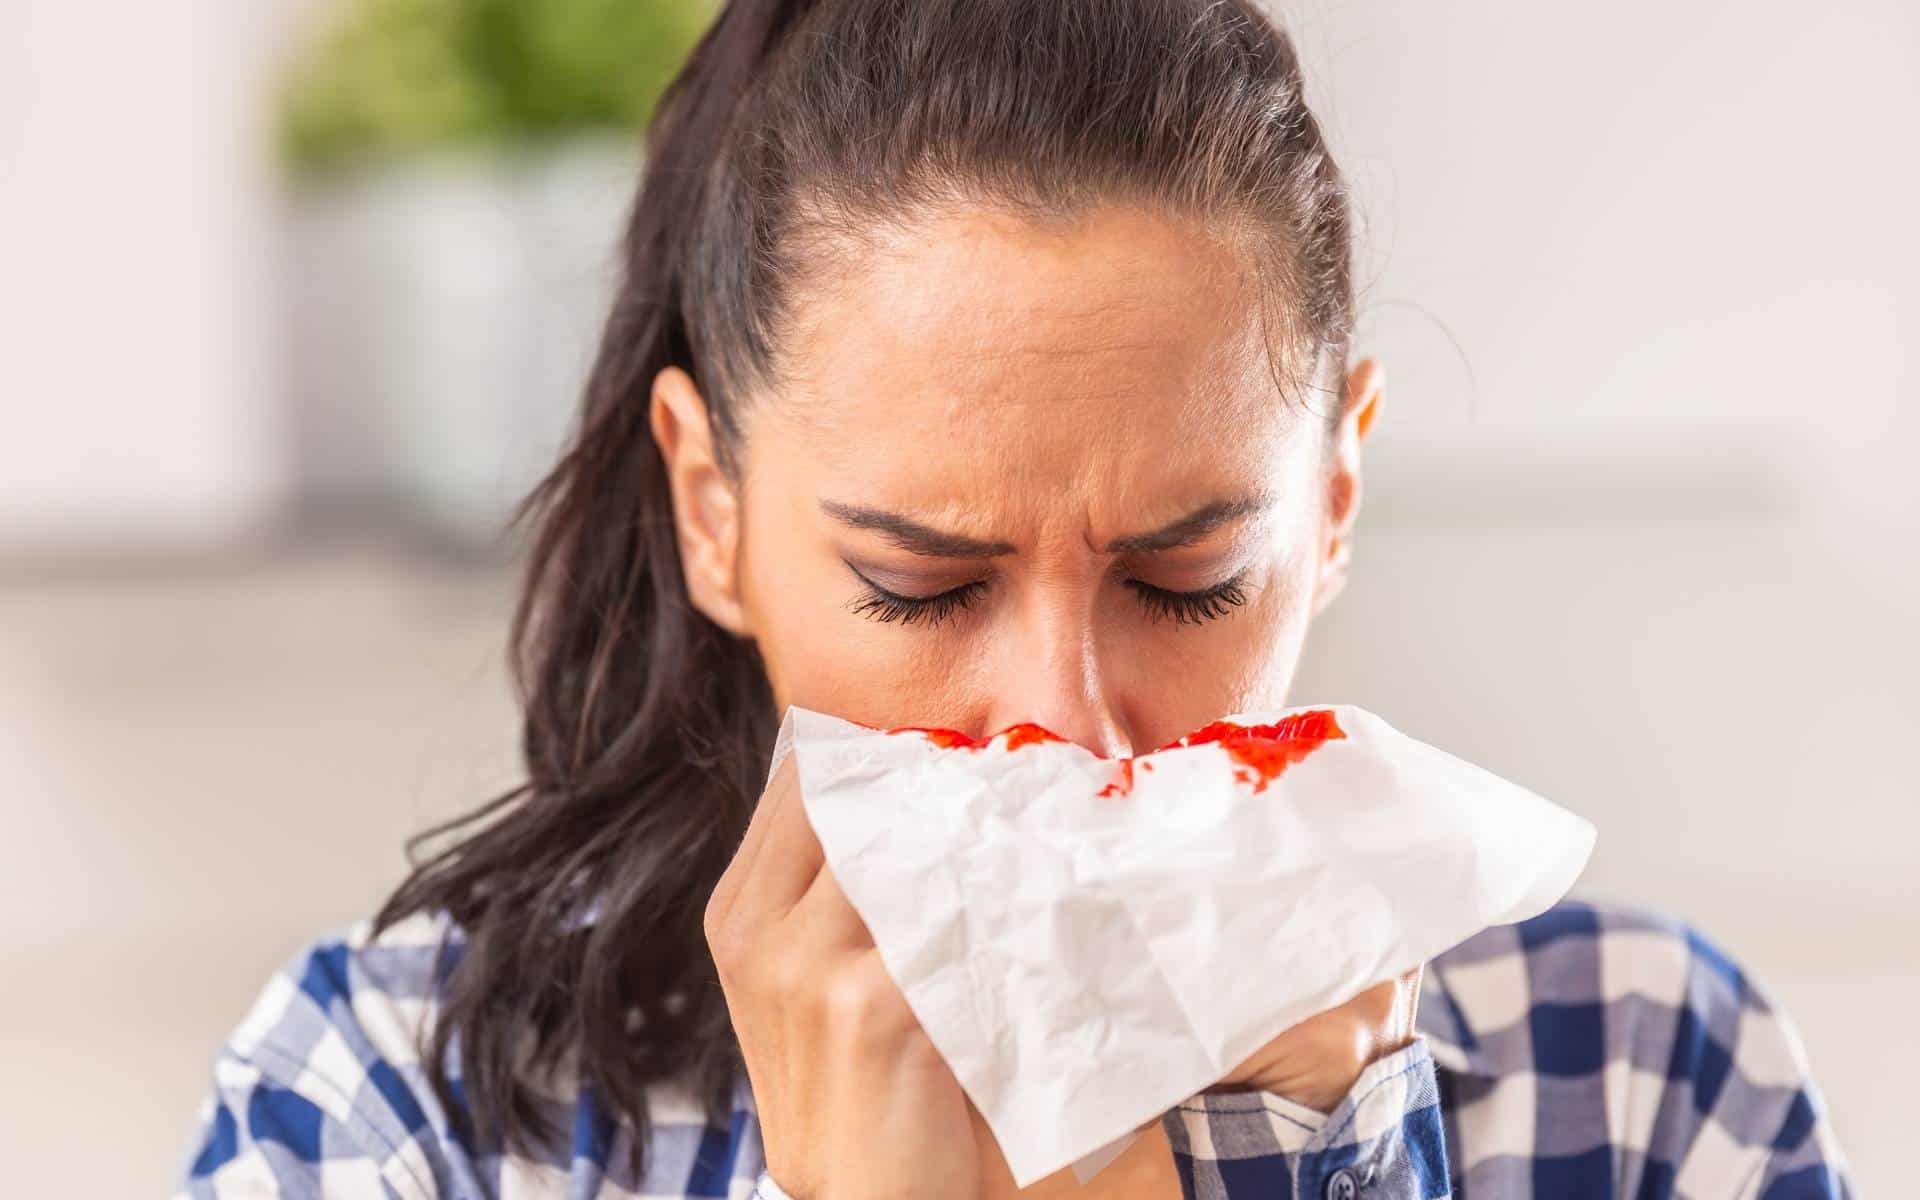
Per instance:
x=1052, y=676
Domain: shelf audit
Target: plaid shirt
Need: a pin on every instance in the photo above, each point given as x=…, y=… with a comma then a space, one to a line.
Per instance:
x=1592, y=1051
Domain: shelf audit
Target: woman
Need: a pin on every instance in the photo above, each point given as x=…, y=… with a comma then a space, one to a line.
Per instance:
x=976, y=361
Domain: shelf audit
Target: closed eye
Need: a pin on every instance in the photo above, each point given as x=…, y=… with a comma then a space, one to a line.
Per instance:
x=882, y=605
x=1193, y=608
x=1162, y=604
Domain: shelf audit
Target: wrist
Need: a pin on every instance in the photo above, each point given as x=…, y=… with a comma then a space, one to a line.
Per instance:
x=1322, y=1079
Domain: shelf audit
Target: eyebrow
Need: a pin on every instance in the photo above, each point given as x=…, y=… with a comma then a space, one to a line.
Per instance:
x=912, y=536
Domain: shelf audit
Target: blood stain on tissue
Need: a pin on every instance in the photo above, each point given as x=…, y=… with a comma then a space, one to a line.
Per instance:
x=948, y=739
x=1122, y=785
x=1026, y=733
x=1266, y=751
x=1263, y=752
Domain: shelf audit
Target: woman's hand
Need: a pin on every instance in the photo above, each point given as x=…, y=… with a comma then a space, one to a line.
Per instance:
x=854, y=1101
x=1317, y=1062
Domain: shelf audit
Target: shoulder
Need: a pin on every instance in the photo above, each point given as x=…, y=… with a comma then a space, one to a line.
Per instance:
x=1637, y=1022
x=1585, y=965
x=318, y=1088
x=1586, y=951
x=348, y=1004
x=1590, y=978
x=326, y=1066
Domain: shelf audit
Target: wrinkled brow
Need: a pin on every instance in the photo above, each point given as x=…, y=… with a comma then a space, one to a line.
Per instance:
x=917, y=538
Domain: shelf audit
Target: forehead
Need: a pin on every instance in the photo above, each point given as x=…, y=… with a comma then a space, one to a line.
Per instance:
x=1121, y=350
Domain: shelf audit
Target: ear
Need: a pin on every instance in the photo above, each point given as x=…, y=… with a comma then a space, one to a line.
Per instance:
x=706, y=509
x=1365, y=389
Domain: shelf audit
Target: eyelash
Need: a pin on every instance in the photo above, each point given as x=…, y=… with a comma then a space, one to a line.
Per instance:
x=886, y=606
x=1192, y=608
x=1183, y=608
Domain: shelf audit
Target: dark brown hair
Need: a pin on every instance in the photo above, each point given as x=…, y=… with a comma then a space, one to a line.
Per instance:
x=795, y=129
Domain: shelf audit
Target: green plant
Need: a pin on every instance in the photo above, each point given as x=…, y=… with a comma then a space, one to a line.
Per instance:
x=397, y=78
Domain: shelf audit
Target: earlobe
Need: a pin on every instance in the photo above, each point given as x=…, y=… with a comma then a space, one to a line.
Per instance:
x=705, y=508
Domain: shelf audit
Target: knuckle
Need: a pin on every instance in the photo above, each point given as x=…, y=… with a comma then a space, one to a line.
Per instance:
x=917, y=1050
x=782, y=974
x=724, y=936
x=1379, y=1004
x=850, y=1000
x=718, y=901
x=861, y=999
x=726, y=958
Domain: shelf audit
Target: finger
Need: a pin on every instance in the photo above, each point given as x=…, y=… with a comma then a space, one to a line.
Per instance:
x=1388, y=1009
x=727, y=891
x=824, y=916
x=1387, y=1006
x=780, y=858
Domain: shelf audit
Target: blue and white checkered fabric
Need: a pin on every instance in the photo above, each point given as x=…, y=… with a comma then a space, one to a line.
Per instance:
x=1594, y=1051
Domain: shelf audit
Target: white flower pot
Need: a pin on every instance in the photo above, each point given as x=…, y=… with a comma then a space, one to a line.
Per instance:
x=444, y=317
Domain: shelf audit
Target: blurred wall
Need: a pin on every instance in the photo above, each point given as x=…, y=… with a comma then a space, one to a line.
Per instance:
x=138, y=293
x=1646, y=286
x=1649, y=222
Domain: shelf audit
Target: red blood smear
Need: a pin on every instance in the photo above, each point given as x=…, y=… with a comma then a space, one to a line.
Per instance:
x=1027, y=734
x=950, y=739
x=1024, y=734
x=1268, y=750
x=1263, y=752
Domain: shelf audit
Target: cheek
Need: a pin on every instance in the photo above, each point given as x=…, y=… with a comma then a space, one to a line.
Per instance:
x=1245, y=662
x=1273, y=653
x=820, y=654
x=1286, y=612
x=835, y=665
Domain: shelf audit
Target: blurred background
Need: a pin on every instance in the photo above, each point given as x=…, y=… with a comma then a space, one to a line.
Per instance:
x=295, y=298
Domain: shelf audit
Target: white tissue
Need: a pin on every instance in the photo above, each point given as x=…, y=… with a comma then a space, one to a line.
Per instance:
x=1085, y=962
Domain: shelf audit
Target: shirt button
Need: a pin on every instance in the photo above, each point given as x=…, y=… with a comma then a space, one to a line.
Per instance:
x=1341, y=1185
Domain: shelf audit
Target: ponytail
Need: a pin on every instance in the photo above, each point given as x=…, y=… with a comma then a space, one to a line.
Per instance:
x=647, y=728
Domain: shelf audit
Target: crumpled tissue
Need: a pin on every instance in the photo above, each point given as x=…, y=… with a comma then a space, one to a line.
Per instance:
x=1089, y=941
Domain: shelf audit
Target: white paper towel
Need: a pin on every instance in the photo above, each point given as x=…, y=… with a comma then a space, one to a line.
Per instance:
x=1089, y=941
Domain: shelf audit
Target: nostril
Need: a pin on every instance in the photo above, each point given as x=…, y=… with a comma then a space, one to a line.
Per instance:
x=1033, y=732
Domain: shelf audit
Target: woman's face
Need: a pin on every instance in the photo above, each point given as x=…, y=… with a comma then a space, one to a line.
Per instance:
x=1025, y=474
